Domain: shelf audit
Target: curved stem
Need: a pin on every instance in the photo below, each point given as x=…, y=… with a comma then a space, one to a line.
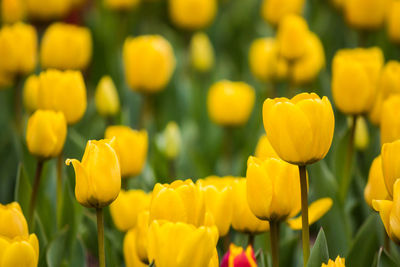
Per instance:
x=304, y=214
x=274, y=233
x=35, y=189
x=100, y=237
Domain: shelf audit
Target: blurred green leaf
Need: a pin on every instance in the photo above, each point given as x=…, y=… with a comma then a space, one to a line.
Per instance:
x=23, y=189
x=384, y=260
x=319, y=252
x=57, y=248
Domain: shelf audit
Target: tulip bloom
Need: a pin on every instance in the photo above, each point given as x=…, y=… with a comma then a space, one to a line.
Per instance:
x=127, y=141
x=142, y=236
x=339, y=262
x=12, y=11
x=129, y=249
x=230, y=103
x=20, y=251
x=390, y=164
x=361, y=135
x=12, y=221
x=273, y=11
x=30, y=93
x=375, y=188
x=66, y=46
x=264, y=149
x=149, y=62
x=106, y=97
x=237, y=257
x=393, y=21
x=292, y=37
x=365, y=14
x=201, y=52
x=170, y=140
x=48, y=9
x=390, y=123
x=121, y=5
x=192, y=14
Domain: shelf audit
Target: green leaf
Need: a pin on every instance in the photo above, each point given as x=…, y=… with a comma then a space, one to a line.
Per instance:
x=385, y=260
x=319, y=252
x=77, y=256
x=23, y=189
x=56, y=250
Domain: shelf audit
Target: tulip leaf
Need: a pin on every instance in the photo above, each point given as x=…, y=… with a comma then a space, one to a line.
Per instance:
x=384, y=260
x=23, y=189
x=56, y=250
x=77, y=255
x=319, y=252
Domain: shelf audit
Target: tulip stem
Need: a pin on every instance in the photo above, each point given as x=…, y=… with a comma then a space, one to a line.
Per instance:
x=100, y=237
x=251, y=240
x=35, y=189
x=274, y=237
x=59, y=185
x=304, y=214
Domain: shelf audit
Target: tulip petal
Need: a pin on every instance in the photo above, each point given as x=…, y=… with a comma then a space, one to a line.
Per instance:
x=384, y=207
x=82, y=188
x=316, y=210
x=19, y=254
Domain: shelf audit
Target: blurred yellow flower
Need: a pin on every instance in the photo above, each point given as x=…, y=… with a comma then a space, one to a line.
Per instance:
x=299, y=129
x=125, y=209
x=106, y=97
x=12, y=10
x=316, y=210
x=121, y=4
x=149, y=62
x=12, y=221
x=237, y=257
x=355, y=76
x=393, y=21
x=66, y=46
x=191, y=246
x=375, y=188
x=131, y=147
x=201, y=52
x=63, y=91
x=361, y=138
x=169, y=141
x=129, y=249
x=20, y=251
x=292, y=36
x=273, y=11
x=339, y=262
x=45, y=133
x=264, y=149
x=31, y=93
x=6, y=79
x=142, y=236
x=230, y=103
x=98, y=176
x=192, y=14
x=365, y=14
x=48, y=9
x=390, y=123
x=390, y=164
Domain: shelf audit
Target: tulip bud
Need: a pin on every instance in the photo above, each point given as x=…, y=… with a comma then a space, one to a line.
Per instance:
x=12, y=10
x=365, y=14
x=131, y=147
x=390, y=161
x=18, y=44
x=264, y=149
x=12, y=221
x=273, y=11
x=48, y=9
x=63, y=91
x=353, y=69
x=192, y=14
x=201, y=52
x=361, y=136
x=30, y=93
x=393, y=21
x=375, y=188
x=149, y=62
x=292, y=37
x=390, y=123
x=106, y=97
x=191, y=246
x=98, y=176
x=20, y=251
x=170, y=140
x=120, y=5
x=142, y=236
x=237, y=257
x=339, y=262
x=299, y=129
x=230, y=103
x=66, y=46
x=123, y=213
x=129, y=249
x=45, y=133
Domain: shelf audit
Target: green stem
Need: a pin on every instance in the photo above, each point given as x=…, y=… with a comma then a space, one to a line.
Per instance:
x=251, y=240
x=171, y=169
x=18, y=103
x=59, y=185
x=228, y=151
x=35, y=189
x=100, y=237
x=274, y=237
x=386, y=245
x=124, y=183
x=304, y=214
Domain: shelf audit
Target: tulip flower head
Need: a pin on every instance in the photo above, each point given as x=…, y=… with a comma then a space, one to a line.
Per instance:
x=339, y=262
x=375, y=188
x=12, y=221
x=12, y=10
x=192, y=14
x=273, y=11
x=201, y=52
x=30, y=93
x=390, y=164
x=129, y=249
x=365, y=14
x=19, y=251
x=170, y=140
x=390, y=123
x=47, y=9
x=142, y=236
x=106, y=97
x=237, y=257
x=393, y=21
x=264, y=149
x=292, y=37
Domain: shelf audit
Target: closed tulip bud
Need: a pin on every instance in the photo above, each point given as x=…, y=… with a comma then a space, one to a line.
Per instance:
x=339, y=262
x=390, y=164
x=169, y=141
x=299, y=129
x=201, y=52
x=66, y=46
x=390, y=123
x=230, y=103
x=142, y=236
x=273, y=11
x=31, y=93
x=12, y=10
x=237, y=257
x=48, y=9
x=393, y=21
x=292, y=37
x=124, y=213
x=149, y=62
x=12, y=221
x=365, y=14
x=243, y=220
x=192, y=14
x=316, y=210
x=307, y=68
x=63, y=91
x=20, y=251
x=106, y=97
x=355, y=75
x=264, y=149
x=98, y=176
x=191, y=246
x=45, y=133
x=361, y=136
x=131, y=147
x=375, y=188
x=121, y=5
x=18, y=44
x=129, y=249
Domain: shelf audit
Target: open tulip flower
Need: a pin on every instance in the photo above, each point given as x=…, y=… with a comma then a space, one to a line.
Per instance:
x=390, y=164
x=375, y=188
x=19, y=251
x=339, y=262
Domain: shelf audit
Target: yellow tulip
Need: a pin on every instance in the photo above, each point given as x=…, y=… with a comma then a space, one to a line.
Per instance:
x=365, y=14
x=273, y=11
x=393, y=21
x=129, y=249
x=6, y=79
x=390, y=164
x=339, y=262
x=243, y=220
x=131, y=147
x=98, y=176
x=192, y=14
x=149, y=62
x=63, y=91
x=18, y=45
x=121, y=4
x=355, y=76
x=12, y=221
x=237, y=257
x=361, y=135
x=191, y=246
x=230, y=103
x=214, y=262
x=12, y=10
x=316, y=210
x=31, y=93
x=299, y=129
x=375, y=188
x=201, y=52
x=292, y=37
x=142, y=236
x=66, y=46
x=106, y=97
x=264, y=149
x=125, y=209
x=45, y=133
x=388, y=210
x=48, y=9
x=19, y=252
x=170, y=140
x=307, y=68
x=390, y=123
